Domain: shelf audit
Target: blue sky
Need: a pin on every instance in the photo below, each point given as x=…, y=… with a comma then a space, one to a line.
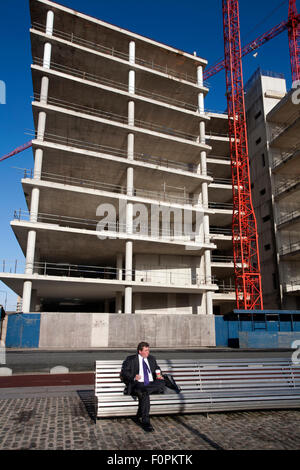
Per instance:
x=188, y=25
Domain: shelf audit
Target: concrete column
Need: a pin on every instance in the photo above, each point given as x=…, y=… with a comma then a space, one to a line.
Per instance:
x=34, y=205
x=203, y=163
x=118, y=302
x=202, y=132
x=200, y=75
x=128, y=300
x=41, y=125
x=47, y=55
x=44, y=90
x=209, y=303
x=131, y=81
x=128, y=277
x=49, y=23
x=130, y=186
x=26, y=298
x=132, y=52
x=30, y=252
x=119, y=266
x=38, y=161
x=200, y=103
x=131, y=113
x=130, y=146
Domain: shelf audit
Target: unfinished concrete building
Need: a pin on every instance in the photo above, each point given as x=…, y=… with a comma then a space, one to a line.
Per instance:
x=274, y=151
x=125, y=206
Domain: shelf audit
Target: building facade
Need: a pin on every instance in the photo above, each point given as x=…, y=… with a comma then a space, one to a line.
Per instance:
x=127, y=212
x=274, y=144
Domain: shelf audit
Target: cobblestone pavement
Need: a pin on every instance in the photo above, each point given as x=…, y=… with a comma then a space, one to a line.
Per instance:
x=66, y=421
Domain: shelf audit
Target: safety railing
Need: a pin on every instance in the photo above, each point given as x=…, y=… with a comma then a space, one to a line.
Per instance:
x=289, y=248
x=119, y=85
x=286, y=185
x=113, y=188
x=276, y=131
x=277, y=160
x=159, y=275
x=166, y=232
x=144, y=157
x=119, y=118
x=220, y=205
x=222, y=259
x=220, y=231
x=292, y=286
x=112, y=52
x=288, y=217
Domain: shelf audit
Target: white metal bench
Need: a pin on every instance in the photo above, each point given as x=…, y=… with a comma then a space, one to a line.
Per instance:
x=206, y=385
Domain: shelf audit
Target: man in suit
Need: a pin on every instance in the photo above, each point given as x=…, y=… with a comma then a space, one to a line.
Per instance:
x=142, y=376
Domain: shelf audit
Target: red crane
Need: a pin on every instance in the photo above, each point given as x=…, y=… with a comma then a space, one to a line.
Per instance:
x=244, y=229
x=17, y=150
x=293, y=27
x=294, y=40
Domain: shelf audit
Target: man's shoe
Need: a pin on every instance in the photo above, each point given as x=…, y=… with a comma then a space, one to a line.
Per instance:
x=147, y=427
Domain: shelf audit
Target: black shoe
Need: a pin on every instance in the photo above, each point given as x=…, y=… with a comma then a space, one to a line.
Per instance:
x=147, y=427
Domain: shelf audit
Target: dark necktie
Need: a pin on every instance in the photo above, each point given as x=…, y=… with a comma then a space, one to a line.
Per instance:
x=146, y=375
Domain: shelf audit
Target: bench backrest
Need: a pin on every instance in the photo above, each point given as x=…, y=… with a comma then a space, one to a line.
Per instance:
x=209, y=375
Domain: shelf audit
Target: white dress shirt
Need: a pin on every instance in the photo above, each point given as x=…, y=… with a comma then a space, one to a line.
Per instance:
x=141, y=370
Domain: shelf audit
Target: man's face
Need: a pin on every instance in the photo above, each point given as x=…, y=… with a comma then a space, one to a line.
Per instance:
x=145, y=352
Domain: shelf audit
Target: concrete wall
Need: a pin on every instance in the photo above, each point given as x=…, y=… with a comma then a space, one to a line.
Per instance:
x=95, y=330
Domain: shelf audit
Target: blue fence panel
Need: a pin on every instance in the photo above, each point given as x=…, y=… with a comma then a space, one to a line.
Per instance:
x=23, y=331
x=14, y=331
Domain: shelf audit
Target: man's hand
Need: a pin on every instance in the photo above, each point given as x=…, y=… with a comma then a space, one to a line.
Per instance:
x=137, y=377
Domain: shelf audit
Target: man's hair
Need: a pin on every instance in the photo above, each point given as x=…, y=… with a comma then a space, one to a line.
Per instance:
x=142, y=345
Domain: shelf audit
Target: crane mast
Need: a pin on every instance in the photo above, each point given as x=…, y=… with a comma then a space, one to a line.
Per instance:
x=244, y=229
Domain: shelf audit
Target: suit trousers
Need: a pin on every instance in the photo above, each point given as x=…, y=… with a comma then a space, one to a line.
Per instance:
x=143, y=391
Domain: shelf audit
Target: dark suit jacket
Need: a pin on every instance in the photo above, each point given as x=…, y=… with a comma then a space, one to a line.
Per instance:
x=130, y=368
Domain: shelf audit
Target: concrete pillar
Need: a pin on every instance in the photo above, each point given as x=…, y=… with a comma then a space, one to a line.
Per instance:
x=30, y=251
x=202, y=132
x=131, y=113
x=38, y=161
x=130, y=146
x=49, y=23
x=118, y=302
x=44, y=90
x=34, y=205
x=132, y=52
x=47, y=55
x=209, y=303
x=41, y=125
x=200, y=75
x=128, y=299
x=130, y=186
x=131, y=81
x=203, y=163
x=119, y=266
x=26, y=299
x=200, y=103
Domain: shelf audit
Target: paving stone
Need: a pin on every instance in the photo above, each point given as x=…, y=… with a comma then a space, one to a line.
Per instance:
x=66, y=422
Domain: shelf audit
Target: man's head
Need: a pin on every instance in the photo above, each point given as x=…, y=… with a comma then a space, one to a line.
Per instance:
x=143, y=349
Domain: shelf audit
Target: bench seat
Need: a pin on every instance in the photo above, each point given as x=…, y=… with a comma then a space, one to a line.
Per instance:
x=206, y=385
